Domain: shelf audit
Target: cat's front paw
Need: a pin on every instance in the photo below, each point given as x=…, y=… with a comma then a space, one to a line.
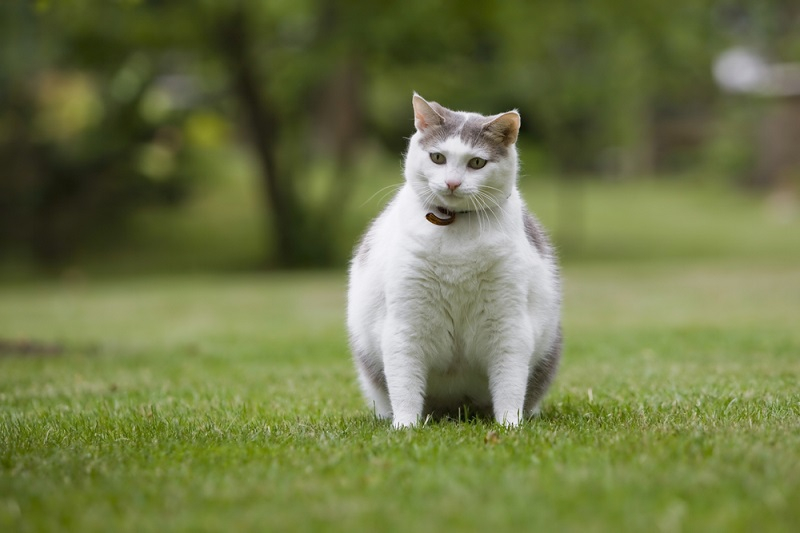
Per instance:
x=404, y=422
x=509, y=419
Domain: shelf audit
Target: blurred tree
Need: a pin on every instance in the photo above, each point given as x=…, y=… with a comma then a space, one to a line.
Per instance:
x=319, y=115
x=104, y=101
x=84, y=138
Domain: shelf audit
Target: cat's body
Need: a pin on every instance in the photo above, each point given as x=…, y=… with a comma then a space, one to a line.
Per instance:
x=465, y=314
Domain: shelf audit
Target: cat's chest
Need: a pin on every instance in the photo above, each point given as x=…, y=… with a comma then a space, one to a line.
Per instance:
x=459, y=290
x=458, y=307
x=462, y=261
x=461, y=273
x=455, y=293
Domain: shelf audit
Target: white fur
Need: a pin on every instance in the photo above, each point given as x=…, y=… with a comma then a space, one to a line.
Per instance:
x=464, y=310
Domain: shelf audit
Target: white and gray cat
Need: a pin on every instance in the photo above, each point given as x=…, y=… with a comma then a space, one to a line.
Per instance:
x=454, y=296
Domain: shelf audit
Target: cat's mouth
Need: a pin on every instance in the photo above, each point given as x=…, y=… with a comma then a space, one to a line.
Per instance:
x=452, y=200
x=445, y=207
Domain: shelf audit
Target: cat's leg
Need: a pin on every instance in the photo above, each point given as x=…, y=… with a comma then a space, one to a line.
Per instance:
x=507, y=383
x=508, y=380
x=373, y=383
x=542, y=376
x=405, y=378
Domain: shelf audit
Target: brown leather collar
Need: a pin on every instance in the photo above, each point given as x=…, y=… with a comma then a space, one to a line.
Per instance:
x=433, y=219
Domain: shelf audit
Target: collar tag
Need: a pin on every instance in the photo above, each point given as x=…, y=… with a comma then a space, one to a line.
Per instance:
x=433, y=219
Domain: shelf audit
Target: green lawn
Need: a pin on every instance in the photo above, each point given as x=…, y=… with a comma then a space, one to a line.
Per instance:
x=229, y=404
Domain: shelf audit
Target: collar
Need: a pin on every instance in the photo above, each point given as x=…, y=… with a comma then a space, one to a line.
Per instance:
x=433, y=219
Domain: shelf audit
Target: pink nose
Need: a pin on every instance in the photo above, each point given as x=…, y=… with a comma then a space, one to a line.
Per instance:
x=452, y=184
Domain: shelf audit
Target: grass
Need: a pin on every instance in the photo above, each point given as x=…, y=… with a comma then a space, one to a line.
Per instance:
x=229, y=403
x=207, y=402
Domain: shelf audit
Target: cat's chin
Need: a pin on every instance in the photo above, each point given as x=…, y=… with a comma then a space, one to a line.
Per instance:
x=451, y=201
x=450, y=205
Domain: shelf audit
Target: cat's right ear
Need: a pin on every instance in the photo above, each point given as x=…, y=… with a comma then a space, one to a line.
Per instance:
x=503, y=129
x=424, y=115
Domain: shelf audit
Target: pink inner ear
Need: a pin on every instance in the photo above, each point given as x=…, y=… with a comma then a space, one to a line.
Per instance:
x=504, y=129
x=424, y=115
x=421, y=121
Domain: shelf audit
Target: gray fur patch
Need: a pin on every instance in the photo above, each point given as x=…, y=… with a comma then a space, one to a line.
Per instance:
x=473, y=133
x=449, y=128
x=536, y=235
x=543, y=374
x=373, y=370
x=467, y=126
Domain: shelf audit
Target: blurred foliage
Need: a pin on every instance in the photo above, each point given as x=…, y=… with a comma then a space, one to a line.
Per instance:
x=109, y=106
x=88, y=132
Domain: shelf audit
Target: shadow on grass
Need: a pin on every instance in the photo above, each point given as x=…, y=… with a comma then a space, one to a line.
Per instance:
x=658, y=413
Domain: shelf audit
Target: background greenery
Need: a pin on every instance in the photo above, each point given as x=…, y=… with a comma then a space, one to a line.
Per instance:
x=125, y=122
x=180, y=188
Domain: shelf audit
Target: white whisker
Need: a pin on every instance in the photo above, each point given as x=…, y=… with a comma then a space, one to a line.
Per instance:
x=486, y=198
x=474, y=204
x=476, y=200
x=394, y=187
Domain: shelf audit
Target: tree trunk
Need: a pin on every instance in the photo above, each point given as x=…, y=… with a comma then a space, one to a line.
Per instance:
x=264, y=128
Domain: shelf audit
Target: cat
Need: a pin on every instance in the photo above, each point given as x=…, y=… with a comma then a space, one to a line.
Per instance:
x=454, y=296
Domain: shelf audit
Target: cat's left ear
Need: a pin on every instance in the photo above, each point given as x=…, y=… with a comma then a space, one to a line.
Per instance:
x=503, y=129
x=424, y=115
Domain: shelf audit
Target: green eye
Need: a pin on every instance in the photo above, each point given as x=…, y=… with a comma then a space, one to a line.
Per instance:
x=476, y=163
x=438, y=158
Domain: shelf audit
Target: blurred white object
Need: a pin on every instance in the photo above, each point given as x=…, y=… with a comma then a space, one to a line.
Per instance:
x=741, y=70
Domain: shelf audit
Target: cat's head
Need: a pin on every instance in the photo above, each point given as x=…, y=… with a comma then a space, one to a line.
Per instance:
x=461, y=161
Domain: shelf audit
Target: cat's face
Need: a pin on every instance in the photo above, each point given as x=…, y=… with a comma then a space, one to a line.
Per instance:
x=461, y=161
